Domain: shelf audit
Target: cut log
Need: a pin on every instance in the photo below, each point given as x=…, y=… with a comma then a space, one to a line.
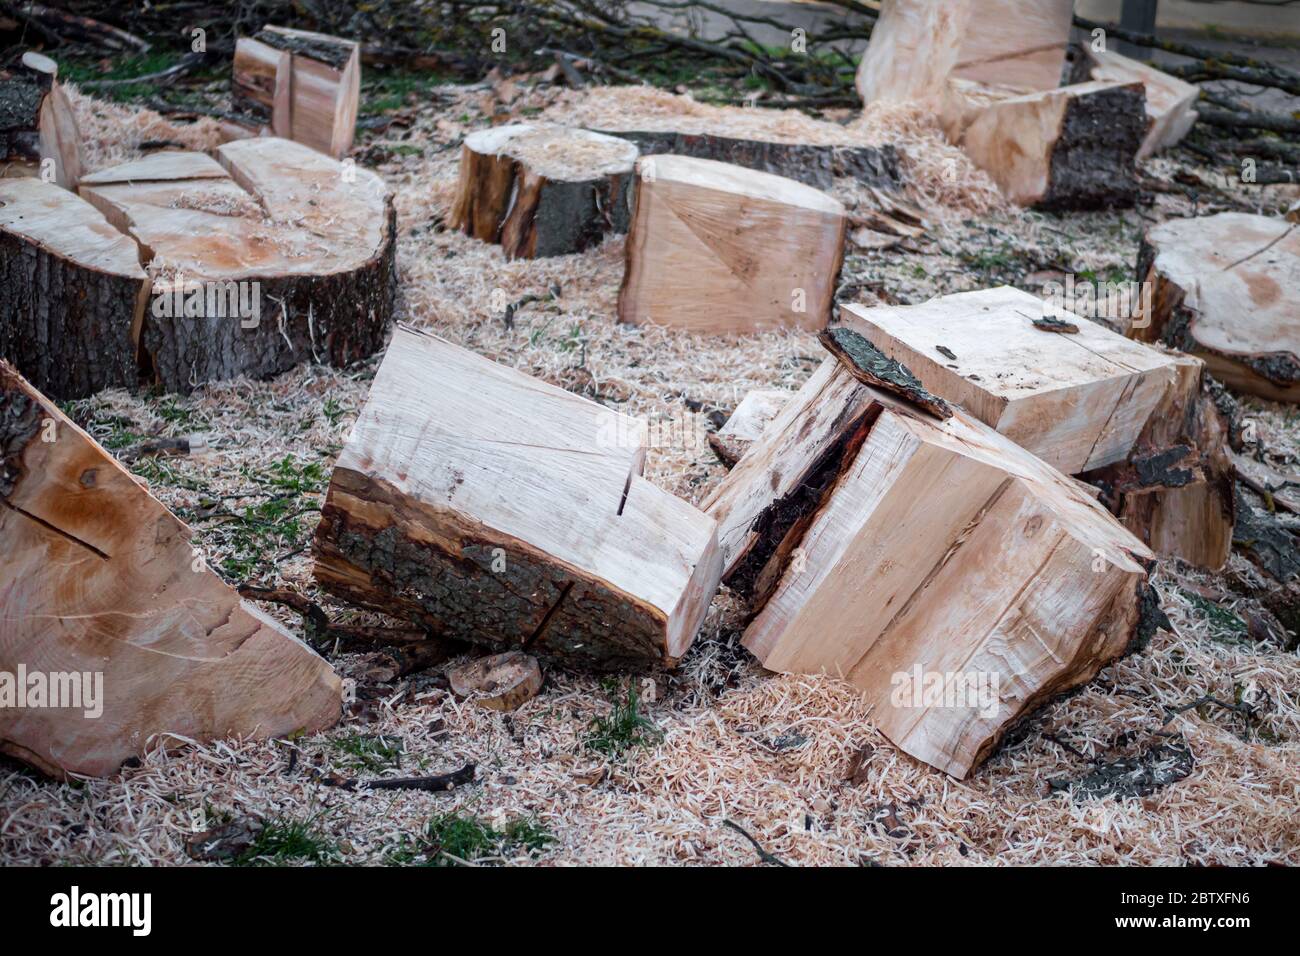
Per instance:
x=1169, y=100
x=1068, y=148
x=499, y=681
x=916, y=553
x=269, y=255
x=491, y=507
x=720, y=249
x=301, y=86
x=917, y=46
x=746, y=423
x=1223, y=288
x=543, y=191
x=72, y=292
x=38, y=127
x=102, y=587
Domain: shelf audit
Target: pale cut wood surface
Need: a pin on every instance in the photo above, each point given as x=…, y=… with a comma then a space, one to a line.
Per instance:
x=943, y=546
x=913, y=49
x=1078, y=401
x=1018, y=44
x=720, y=249
x=457, y=462
x=97, y=576
x=755, y=411
x=261, y=84
x=1225, y=290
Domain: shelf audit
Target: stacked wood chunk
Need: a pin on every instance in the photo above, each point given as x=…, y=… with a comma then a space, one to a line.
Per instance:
x=1169, y=100
x=746, y=423
x=301, y=86
x=543, y=191
x=1223, y=288
x=491, y=507
x=952, y=576
x=38, y=128
x=716, y=248
x=103, y=590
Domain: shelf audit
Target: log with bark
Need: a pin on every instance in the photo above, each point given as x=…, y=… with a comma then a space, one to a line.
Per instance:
x=543, y=191
x=1223, y=289
x=717, y=248
x=746, y=423
x=1070, y=148
x=72, y=293
x=988, y=569
x=491, y=507
x=102, y=587
x=266, y=256
x=39, y=135
x=300, y=85
x=1169, y=100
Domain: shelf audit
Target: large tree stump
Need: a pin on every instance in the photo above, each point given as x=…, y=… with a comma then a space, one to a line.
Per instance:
x=1069, y=148
x=301, y=86
x=270, y=255
x=38, y=127
x=490, y=507
x=995, y=582
x=102, y=587
x=720, y=249
x=1223, y=288
x=543, y=191
x=72, y=293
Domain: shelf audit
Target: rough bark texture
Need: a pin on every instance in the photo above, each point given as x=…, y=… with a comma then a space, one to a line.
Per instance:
x=1093, y=163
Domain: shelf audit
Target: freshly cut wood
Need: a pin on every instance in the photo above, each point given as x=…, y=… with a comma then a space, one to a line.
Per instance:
x=1175, y=491
x=102, y=590
x=543, y=191
x=73, y=292
x=1078, y=401
x=269, y=255
x=491, y=507
x=499, y=681
x=1169, y=100
x=38, y=125
x=719, y=249
x=1069, y=148
x=913, y=49
x=300, y=85
x=918, y=554
x=1223, y=288
x=746, y=423
x=1017, y=44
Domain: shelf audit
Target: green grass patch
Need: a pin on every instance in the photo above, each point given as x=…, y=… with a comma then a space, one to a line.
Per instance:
x=370, y=753
x=285, y=840
x=623, y=730
x=451, y=839
x=1224, y=625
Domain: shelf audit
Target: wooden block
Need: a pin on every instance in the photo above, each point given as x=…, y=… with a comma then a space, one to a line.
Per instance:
x=543, y=191
x=1078, y=401
x=1224, y=290
x=491, y=507
x=718, y=249
x=39, y=136
x=307, y=245
x=1169, y=100
x=74, y=295
x=917, y=550
x=913, y=49
x=261, y=85
x=1017, y=44
x=1069, y=148
x=98, y=578
x=747, y=422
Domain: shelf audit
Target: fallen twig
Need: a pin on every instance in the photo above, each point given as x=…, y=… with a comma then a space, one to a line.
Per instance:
x=763, y=855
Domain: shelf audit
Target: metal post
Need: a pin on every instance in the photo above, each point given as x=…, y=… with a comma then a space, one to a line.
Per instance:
x=1139, y=16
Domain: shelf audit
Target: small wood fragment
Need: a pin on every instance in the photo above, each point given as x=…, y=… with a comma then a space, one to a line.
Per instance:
x=872, y=367
x=499, y=681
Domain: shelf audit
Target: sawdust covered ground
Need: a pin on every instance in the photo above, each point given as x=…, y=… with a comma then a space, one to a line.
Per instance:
x=795, y=761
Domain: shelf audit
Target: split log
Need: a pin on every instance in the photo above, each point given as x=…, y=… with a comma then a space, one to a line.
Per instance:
x=989, y=571
x=1169, y=100
x=39, y=135
x=268, y=256
x=746, y=423
x=1069, y=148
x=72, y=290
x=913, y=49
x=499, y=681
x=543, y=191
x=102, y=586
x=1078, y=401
x=491, y=507
x=720, y=249
x=1223, y=288
x=300, y=85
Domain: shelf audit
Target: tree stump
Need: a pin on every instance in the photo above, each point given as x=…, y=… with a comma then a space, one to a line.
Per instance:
x=493, y=508
x=718, y=249
x=543, y=191
x=1224, y=290
x=105, y=593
